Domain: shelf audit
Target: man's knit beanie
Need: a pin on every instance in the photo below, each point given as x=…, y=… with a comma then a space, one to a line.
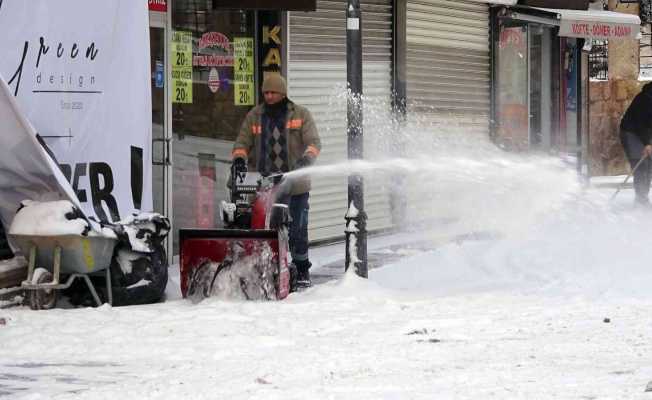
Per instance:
x=275, y=83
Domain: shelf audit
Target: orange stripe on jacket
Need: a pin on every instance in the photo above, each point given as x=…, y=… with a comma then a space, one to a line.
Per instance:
x=256, y=129
x=312, y=150
x=294, y=124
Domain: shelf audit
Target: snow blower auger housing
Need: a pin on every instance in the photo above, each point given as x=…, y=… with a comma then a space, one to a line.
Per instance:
x=248, y=258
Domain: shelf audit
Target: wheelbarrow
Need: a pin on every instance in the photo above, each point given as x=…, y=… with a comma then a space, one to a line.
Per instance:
x=51, y=257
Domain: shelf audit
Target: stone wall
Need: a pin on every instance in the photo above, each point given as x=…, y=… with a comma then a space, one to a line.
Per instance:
x=608, y=101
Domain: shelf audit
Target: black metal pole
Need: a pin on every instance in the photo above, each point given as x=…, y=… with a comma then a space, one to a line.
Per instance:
x=356, y=219
x=398, y=179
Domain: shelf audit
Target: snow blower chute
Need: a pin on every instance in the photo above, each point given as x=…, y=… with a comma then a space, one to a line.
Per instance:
x=248, y=258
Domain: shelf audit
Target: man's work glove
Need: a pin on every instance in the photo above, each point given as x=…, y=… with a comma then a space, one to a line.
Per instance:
x=239, y=169
x=303, y=162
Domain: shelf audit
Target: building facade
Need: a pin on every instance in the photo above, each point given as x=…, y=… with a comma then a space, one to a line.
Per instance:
x=542, y=69
x=429, y=58
x=515, y=73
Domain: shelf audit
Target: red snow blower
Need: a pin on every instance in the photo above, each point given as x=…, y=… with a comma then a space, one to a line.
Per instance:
x=248, y=258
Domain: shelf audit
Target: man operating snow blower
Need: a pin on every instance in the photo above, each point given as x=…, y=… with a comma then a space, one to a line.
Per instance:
x=277, y=137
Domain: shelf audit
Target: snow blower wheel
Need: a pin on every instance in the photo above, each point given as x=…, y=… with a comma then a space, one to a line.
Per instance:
x=42, y=299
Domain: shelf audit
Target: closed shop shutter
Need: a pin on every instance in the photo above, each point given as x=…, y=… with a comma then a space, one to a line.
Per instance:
x=317, y=80
x=448, y=63
x=448, y=89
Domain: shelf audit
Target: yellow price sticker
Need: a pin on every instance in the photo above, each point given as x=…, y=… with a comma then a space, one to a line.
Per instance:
x=243, y=71
x=181, y=91
x=181, y=71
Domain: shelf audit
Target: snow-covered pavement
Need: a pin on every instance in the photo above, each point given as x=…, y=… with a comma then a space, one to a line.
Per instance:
x=341, y=340
x=562, y=310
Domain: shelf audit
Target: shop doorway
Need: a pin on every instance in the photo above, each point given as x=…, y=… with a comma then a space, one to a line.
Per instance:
x=570, y=102
x=540, y=87
x=528, y=109
x=160, y=115
x=512, y=108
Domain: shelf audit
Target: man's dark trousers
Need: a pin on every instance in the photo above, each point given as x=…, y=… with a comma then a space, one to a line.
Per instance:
x=634, y=150
x=299, y=227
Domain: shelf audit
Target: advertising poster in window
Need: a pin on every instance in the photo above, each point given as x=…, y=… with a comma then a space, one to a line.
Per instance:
x=181, y=57
x=80, y=72
x=243, y=71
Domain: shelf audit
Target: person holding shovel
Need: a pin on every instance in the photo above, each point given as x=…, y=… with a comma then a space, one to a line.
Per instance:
x=636, y=137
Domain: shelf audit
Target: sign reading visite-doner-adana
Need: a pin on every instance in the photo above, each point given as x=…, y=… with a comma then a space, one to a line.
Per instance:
x=80, y=72
x=597, y=30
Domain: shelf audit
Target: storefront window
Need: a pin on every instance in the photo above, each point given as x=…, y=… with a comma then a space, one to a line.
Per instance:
x=211, y=109
x=212, y=59
x=513, y=114
x=525, y=86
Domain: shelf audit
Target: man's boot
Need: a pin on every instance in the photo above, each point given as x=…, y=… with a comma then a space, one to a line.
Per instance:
x=303, y=274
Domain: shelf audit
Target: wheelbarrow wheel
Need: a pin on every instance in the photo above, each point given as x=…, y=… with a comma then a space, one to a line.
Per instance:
x=42, y=299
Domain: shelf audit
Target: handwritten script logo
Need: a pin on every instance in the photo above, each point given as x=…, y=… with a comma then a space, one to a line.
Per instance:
x=62, y=51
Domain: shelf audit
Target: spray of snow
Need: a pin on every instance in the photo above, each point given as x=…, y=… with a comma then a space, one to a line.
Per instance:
x=248, y=278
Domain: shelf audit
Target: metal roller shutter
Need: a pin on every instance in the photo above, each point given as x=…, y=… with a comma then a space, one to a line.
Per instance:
x=317, y=79
x=448, y=62
x=448, y=87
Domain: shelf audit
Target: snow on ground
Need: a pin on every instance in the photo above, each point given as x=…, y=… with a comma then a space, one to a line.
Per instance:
x=559, y=310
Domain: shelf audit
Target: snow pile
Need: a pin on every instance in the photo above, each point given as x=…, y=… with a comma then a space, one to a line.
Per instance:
x=351, y=231
x=55, y=218
x=143, y=231
x=588, y=247
x=52, y=218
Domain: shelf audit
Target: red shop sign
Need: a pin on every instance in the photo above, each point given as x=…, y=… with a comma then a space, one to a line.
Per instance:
x=158, y=5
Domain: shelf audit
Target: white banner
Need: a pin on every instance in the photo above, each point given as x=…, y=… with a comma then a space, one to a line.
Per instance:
x=26, y=171
x=80, y=72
